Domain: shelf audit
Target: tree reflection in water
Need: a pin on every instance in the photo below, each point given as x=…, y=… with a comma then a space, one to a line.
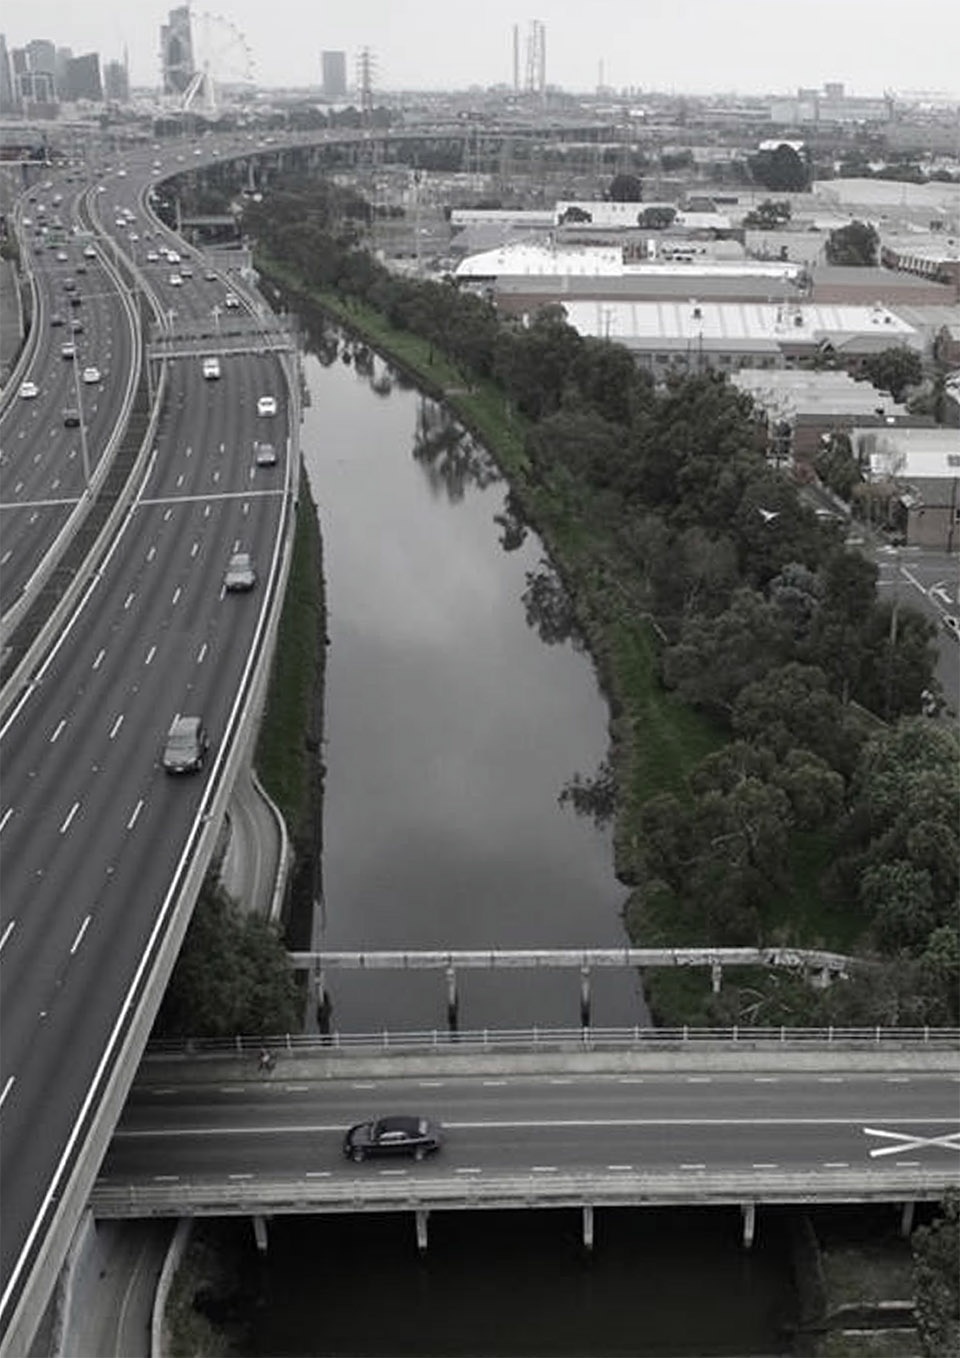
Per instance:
x=549, y=609
x=448, y=455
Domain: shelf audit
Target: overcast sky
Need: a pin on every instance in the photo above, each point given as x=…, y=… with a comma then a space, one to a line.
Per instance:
x=700, y=46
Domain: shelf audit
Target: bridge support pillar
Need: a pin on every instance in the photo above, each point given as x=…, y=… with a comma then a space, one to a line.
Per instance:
x=584, y=997
x=421, y=1215
x=749, y=1211
x=453, y=1014
x=716, y=977
x=260, y=1233
x=588, y=1227
x=906, y=1218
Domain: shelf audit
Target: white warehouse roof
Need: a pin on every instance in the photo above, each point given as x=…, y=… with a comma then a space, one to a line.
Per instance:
x=530, y=260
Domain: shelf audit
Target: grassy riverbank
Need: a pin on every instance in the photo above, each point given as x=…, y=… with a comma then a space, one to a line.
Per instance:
x=655, y=739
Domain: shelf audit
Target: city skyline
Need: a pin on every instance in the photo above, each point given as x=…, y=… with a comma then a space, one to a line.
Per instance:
x=747, y=46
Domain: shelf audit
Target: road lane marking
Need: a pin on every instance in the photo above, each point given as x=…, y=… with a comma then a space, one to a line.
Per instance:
x=116, y=726
x=239, y=1176
x=468, y=1169
x=150, y=654
x=836, y=1164
x=80, y=933
x=430, y=1084
x=151, y=554
x=201, y=653
x=911, y=1141
x=136, y=812
x=194, y=549
x=69, y=820
x=620, y=1167
x=560, y=1080
x=763, y=1164
x=6, y=816
x=363, y=1084
x=693, y=1166
x=318, y=1174
x=166, y=1178
x=296, y=1089
x=699, y=1079
x=6, y=933
x=494, y=1084
x=6, y=1089
x=176, y=594
x=830, y=1079
x=60, y=725
x=898, y=1079
x=129, y=599
x=394, y=1173
x=99, y=660
x=543, y=1169
x=766, y=1079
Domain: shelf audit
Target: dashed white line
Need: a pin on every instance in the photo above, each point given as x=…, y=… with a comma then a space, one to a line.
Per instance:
x=620, y=1167
x=764, y=1165
x=6, y=1089
x=150, y=654
x=393, y=1173
x=129, y=599
x=167, y=515
x=80, y=933
x=430, y=1084
x=543, y=1169
x=830, y=1079
x=116, y=726
x=317, y=1174
x=907, y=1164
x=699, y=1079
x=494, y=1084
x=693, y=1166
x=151, y=554
x=6, y=816
x=136, y=812
x=898, y=1079
x=766, y=1079
x=176, y=595
x=180, y=480
x=6, y=934
x=194, y=549
x=99, y=660
x=239, y=1176
x=201, y=653
x=836, y=1164
x=59, y=727
x=69, y=820
x=166, y=1178
x=468, y=1169
x=363, y=1084
x=296, y=1089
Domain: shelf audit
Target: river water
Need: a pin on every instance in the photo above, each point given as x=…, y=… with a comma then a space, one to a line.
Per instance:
x=451, y=728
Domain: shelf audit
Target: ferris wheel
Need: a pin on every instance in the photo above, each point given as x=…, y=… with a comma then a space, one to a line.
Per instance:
x=205, y=57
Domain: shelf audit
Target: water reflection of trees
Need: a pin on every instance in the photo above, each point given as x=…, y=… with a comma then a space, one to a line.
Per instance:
x=595, y=797
x=549, y=609
x=513, y=530
x=448, y=455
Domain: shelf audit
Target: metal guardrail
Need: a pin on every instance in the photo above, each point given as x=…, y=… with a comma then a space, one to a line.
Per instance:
x=540, y=1039
x=325, y=1191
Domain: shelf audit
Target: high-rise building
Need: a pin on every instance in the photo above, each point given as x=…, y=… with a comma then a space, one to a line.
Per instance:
x=116, y=82
x=8, y=103
x=333, y=66
x=82, y=78
x=42, y=56
x=176, y=51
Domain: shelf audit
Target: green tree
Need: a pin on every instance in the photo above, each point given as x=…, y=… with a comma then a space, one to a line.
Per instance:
x=894, y=370
x=782, y=169
x=625, y=188
x=856, y=245
x=232, y=977
x=716, y=658
x=792, y=706
x=769, y=214
x=936, y=1250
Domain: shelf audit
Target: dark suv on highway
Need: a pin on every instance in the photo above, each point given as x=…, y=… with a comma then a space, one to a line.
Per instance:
x=186, y=746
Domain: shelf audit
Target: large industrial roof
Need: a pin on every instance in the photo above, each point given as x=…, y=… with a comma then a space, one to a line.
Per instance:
x=526, y=260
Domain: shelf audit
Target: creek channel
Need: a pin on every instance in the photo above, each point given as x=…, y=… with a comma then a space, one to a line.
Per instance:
x=451, y=727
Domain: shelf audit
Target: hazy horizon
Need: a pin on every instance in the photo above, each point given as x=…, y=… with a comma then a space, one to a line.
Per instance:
x=749, y=47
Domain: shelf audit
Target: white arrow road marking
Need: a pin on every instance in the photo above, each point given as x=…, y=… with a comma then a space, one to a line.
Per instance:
x=906, y=1141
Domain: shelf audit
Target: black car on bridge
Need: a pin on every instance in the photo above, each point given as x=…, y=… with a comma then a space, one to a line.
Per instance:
x=399, y=1135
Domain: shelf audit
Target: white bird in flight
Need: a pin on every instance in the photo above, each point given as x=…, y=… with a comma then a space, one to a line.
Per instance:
x=767, y=514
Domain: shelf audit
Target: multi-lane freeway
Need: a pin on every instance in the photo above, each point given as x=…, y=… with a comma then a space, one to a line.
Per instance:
x=97, y=841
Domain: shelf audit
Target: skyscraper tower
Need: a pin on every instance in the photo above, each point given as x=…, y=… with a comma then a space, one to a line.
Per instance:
x=536, y=83
x=333, y=69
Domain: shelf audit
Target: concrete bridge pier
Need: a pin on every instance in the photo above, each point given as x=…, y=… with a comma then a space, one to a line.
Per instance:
x=906, y=1218
x=749, y=1212
x=588, y=1227
x=584, y=997
x=453, y=1003
x=421, y=1215
x=716, y=977
x=260, y=1233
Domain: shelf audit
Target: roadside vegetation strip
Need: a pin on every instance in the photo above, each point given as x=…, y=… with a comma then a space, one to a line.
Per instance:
x=284, y=759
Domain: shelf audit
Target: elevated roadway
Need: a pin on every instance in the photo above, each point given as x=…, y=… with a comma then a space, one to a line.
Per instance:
x=103, y=852
x=647, y=1123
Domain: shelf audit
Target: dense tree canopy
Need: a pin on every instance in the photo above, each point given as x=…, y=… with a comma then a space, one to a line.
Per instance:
x=856, y=244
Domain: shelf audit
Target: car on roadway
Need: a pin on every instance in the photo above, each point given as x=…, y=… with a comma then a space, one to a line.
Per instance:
x=392, y=1136
x=153, y=257
x=56, y=319
x=264, y=455
x=89, y=252
x=28, y=391
x=267, y=405
x=68, y=350
x=76, y=325
x=231, y=301
x=91, y=375
x=240, y=574
x=71, y=417
x=69, y=285
x=211, y=368
x=175, y=280
x=62, y=257
x=210, y=275
x=186, y=745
